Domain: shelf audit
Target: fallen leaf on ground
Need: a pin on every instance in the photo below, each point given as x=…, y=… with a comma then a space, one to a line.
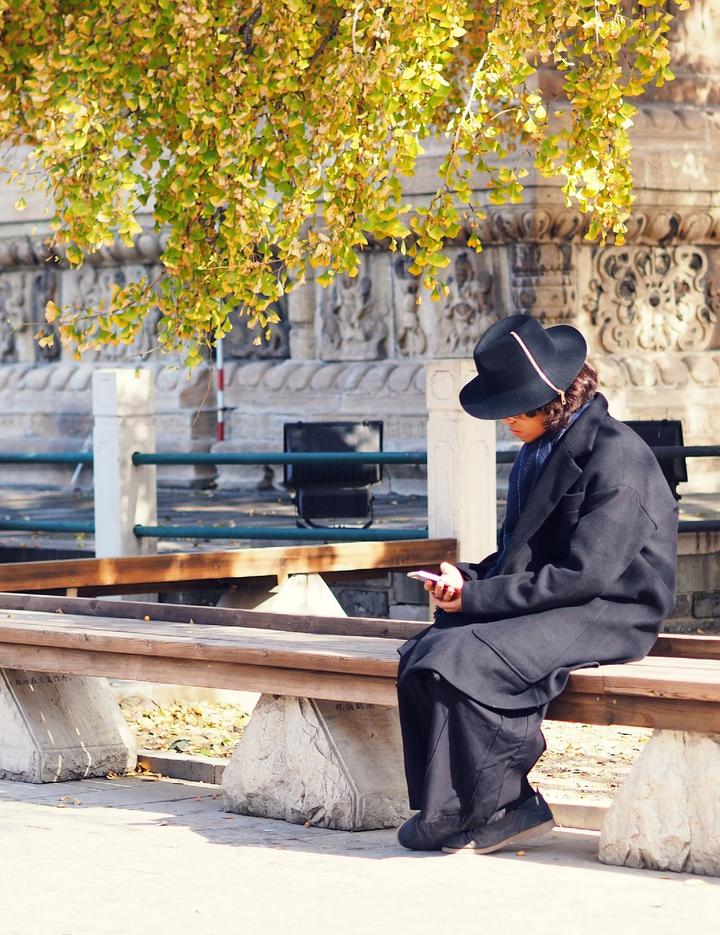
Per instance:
x=68, y=800
x=200, y=728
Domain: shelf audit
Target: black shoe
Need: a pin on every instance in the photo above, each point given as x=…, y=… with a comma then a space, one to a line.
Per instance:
x=506, y=826
x=418, y=834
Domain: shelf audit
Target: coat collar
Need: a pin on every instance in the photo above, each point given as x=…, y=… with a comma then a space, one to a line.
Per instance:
x=560, y=473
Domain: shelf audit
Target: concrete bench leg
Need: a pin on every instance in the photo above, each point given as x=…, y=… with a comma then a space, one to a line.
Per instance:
x=59, y=727
x=667, y=814
x=335, y=764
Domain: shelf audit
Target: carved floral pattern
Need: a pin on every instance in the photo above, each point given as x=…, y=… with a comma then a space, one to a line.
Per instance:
x=652, y=299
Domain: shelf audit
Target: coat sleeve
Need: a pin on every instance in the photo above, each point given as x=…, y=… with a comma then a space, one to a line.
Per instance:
x=608, y=536
x=474, y=571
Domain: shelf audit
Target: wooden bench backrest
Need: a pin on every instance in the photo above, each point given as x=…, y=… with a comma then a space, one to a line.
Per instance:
x=168, y=572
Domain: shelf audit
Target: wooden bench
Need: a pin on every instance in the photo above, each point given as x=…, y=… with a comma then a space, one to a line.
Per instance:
x=347, y=661
x=172, y=571
x=677, y=687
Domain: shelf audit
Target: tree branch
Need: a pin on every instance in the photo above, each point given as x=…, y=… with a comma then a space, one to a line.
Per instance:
x=326, y=40
x=247, y=29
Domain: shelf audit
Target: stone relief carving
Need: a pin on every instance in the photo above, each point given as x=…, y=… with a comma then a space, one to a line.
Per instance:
x=13, y=289
x=513, y=223
x=43, y=289
x=86, y=287
x=652, y=299
x=697, y=224
x=543, y=281
x=23, y=297
x=353, y=326
x=239, y=341
x=410, y=337
x=466, y=312
x=28, y=251
x=24, y=252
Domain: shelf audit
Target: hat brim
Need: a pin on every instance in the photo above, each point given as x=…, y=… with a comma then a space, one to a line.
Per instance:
x=479, y=400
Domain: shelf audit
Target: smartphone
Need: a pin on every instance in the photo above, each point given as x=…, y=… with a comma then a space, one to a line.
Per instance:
x=423, y=576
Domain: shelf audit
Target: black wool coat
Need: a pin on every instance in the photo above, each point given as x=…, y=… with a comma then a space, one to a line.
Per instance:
x=587, y=578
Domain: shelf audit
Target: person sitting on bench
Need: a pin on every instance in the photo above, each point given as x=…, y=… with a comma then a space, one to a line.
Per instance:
x=584, y=574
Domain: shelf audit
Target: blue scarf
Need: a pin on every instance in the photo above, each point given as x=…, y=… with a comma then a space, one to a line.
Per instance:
x=525, y=473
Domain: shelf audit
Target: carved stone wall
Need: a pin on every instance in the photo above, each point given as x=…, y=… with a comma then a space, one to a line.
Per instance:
x=354, y=314
x=652, y=299
x=468, y=310
x=543, y=283
x=649, y=308
x=23, y=297
x=239, y=342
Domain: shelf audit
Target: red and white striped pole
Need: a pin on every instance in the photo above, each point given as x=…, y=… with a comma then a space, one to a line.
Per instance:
x=220, y=365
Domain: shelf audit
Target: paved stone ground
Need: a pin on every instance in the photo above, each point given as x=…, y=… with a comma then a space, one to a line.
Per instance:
x=126, y=856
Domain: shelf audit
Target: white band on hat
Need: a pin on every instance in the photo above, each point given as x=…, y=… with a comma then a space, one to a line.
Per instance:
x=537, y=369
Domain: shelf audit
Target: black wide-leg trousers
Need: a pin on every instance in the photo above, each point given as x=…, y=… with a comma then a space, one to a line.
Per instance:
x=463, y=759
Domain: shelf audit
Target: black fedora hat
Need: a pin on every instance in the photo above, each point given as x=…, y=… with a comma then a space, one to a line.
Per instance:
x=522, y=366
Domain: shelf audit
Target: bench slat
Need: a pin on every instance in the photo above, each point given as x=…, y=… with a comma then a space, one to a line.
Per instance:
x=116, y=575
x=333, y=686
x=358, y=655
x=666, y=713
x=220, y=616
x=321, y=652
x=642, y=679
x=687, y=645
x=676, y=646
x=632, y=711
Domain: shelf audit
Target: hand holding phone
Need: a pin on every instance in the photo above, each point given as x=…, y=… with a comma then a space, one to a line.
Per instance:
x=445, y=588
x=423, y=576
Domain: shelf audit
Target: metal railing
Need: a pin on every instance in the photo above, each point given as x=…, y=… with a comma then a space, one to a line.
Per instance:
x=49, y=525
x=46, y=457
x=376, y=534
x=292, y=533
x=305, y=457
x=279, y=457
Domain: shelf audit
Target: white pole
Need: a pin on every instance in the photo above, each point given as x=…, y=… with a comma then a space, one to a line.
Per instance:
x=125, y=495
x=220, y=364
x=461, y=465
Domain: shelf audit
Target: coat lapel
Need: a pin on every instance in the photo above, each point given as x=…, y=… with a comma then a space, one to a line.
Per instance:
x=557, y=478
x=560, y=473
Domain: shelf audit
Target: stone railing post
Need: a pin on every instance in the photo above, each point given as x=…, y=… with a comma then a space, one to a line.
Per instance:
x=125, y=495
x=461, y=465
x=57, y=727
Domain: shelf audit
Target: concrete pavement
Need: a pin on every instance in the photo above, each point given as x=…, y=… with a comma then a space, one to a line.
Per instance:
x=123, y=856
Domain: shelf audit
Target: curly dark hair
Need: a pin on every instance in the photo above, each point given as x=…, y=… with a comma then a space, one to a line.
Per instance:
x=582, y=388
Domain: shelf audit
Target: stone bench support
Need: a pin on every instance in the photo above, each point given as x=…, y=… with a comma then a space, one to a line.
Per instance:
x=60, y=727
x=336, y=764
x=666, y=816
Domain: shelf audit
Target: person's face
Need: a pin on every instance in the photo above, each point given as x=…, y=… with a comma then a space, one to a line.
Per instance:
x=526, y=428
